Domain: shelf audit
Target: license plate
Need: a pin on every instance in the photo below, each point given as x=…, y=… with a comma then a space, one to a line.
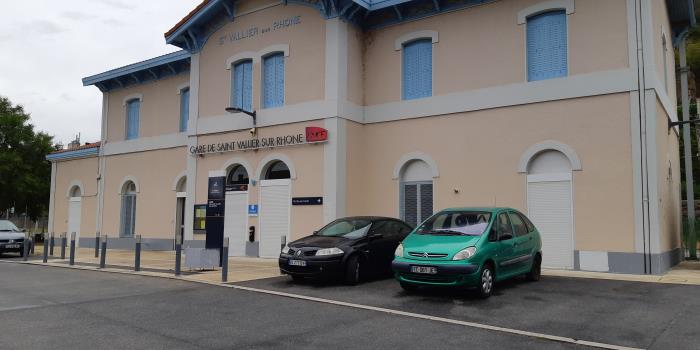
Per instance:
x=424, y=269
x=297, y=262
x=12, y=246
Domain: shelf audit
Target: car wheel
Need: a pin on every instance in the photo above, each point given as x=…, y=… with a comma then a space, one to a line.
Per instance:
x=21, y=252
x=536, y=270
x=408, y=287
x=352, y=270
x=486, y=281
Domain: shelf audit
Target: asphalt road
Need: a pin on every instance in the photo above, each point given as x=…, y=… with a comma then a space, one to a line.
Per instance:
x=633, y=314
x=56, y=308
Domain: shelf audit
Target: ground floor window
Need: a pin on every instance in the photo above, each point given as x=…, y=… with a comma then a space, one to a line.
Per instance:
x=416, y=201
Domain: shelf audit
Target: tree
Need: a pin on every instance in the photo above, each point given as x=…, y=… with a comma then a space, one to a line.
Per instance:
x=25, y=174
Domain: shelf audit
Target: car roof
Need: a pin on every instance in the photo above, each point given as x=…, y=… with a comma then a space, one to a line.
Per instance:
x=488, y=209
x=369, y=218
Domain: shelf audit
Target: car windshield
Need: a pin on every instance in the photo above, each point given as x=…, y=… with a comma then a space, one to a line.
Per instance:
x=7, y=226
x=469, y=223
x=348, y=228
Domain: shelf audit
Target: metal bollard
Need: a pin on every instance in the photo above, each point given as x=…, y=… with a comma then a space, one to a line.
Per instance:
x=25, y=247
x=178, y=255
x=97, y=244
x=31, y=248
x=224, y=261
x=103, y=256
x=52, y=242
x=71, y=259
x=46, y=250
x=63, y=246
x=283, y=242
x=137, y=254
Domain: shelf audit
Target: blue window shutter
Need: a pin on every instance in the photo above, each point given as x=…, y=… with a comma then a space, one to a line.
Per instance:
x=132, y=119
x=184, y=108
x=273, y=81
x=547, y=46
x=242, y=85
x=417, y=74
x=247, y=86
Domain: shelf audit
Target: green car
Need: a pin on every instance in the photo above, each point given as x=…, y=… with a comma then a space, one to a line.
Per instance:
x=469, y=247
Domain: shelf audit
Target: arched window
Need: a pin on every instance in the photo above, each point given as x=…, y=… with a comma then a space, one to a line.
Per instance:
x=237, y=175
x=273, y=80
x=128, y=210
x=416, y=192
x=132, y=118
x=417, y=72
x=242, y=85
x=277, y=170
x=547, y=43
x=75, y=192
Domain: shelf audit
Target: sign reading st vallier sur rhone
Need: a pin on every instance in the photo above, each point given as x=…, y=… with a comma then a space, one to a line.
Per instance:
x=254, y=31
x=313, y=134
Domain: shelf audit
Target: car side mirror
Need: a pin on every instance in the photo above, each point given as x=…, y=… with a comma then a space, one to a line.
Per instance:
x=505, y=236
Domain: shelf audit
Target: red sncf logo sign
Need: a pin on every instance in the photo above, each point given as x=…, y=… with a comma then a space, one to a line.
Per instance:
x=316, y=134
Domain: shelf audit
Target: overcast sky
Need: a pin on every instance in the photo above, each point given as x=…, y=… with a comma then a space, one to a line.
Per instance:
x=48, y=46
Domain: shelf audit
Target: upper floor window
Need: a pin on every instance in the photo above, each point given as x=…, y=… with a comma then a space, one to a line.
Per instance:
x=184, y=108
x=547, y=46
x=417, y=75
x=273, y=81
x=242, y=85
x=133, y=108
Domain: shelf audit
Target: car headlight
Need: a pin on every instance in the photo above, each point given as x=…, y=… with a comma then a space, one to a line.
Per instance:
x=465, y=253
x=329, y=251
x=399, y=251
x=285, y=250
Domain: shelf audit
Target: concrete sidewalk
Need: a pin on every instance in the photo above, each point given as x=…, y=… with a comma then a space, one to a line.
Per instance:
x=687, y=272
x=162, y=263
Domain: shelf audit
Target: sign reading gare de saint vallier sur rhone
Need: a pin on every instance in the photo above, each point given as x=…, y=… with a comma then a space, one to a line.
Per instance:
x=312, y=135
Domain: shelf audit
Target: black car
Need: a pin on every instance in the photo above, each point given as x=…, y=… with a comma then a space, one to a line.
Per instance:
x=346, y=248
x=12, y=238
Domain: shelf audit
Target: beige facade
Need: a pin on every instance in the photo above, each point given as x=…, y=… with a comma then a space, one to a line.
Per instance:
x=483, y=136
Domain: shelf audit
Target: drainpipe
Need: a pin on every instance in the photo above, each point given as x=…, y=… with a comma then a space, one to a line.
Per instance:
x=642, y=137
x=690, y=196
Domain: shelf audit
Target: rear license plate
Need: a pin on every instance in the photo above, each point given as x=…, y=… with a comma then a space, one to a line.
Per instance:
x=424, y=269
x=12, y=246
x=297, y=262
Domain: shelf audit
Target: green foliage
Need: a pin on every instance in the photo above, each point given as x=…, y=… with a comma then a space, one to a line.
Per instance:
x=25, y=175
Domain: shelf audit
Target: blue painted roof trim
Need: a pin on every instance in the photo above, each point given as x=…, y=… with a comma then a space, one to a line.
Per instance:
x=137, y=73
x=81, y=153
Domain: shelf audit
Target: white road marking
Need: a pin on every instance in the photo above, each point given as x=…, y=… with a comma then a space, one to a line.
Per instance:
x=536, y=335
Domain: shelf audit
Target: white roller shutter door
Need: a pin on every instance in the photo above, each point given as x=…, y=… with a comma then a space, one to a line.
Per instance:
x=236, y=222
x=275, y=202
x=550, y=209
x=74, y=208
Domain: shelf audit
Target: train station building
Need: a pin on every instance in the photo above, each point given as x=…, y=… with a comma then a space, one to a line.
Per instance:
x=289, y=114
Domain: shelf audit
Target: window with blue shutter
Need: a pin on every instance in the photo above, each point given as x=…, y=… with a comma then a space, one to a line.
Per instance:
x=417, y=80
x=132, y=118
x=273, y=81
x=242, y=92
x=184, y=108
x=547, y=46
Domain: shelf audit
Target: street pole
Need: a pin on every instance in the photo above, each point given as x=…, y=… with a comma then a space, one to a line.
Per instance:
x=687, y=153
